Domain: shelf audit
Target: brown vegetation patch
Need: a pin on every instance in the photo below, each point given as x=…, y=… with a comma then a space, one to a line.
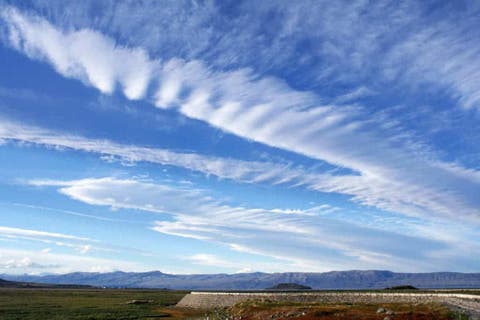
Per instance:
x=281, y=311
x=180, y=313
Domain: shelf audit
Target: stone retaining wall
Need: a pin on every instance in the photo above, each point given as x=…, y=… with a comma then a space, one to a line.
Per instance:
x=206, y=300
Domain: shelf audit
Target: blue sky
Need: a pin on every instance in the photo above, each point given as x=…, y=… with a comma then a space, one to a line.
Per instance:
x=208, y=137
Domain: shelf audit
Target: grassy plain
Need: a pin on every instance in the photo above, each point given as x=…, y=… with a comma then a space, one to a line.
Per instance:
x=89, y=304
x=112, y=304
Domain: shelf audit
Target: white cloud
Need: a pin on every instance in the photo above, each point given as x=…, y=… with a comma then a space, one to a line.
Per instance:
x=415, y=47
x=391, y=172
x=388, y=168
x=8, y=231
x=22, y=263
x=440, y=54
x=42, y=209
x=69, y=254
x=247, y=171
x=82, y=245
x=373, y=190
x=211, y=260
x=85, y=249
x=353, y=95
x=13, y=261
x=83, y=54
x=245, y=270
x=301, y=240
x=238, y=265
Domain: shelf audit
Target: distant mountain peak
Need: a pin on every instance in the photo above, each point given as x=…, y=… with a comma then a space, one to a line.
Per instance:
x=354, y=279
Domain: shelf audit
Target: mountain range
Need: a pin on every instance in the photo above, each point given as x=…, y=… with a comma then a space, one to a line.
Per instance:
x=355, y=279
x=31, y=285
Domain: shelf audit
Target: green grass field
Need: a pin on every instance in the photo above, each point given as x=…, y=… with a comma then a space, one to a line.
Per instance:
x=56, y=304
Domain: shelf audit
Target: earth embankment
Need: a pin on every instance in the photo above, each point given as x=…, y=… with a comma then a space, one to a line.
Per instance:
x=208, y=300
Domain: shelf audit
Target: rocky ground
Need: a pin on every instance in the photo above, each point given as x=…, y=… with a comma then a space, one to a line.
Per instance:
x=283, y=311
x=328, y=305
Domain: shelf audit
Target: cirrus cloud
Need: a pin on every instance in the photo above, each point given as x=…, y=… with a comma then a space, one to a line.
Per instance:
x=311, y=239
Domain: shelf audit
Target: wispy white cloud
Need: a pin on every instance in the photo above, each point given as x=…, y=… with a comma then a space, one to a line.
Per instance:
x=24, y=263
x=410, y=197
x=391, y=171
x=209, y=260
x=302, y=241
x=442, y=55
x=69, y=212
x=14, y=261
x=76, y=54
x=61, y=241
x=230, y=263
x=8, y=231
x=407, y=43
x=210, y=165
x=354, y=95
x=85, y=249
x=267, y=111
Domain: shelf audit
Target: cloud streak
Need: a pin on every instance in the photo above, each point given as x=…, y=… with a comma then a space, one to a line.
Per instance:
x=300, y=238
x=75, y=54
x=8, y=231
x=82, y=245
x=15, y=261
x=402, y=195
x=79, y=244
x=420, y=45
x=388, y=167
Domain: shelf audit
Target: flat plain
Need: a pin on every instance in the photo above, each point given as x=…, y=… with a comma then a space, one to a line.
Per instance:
x=91, y=304
x=131, y=304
